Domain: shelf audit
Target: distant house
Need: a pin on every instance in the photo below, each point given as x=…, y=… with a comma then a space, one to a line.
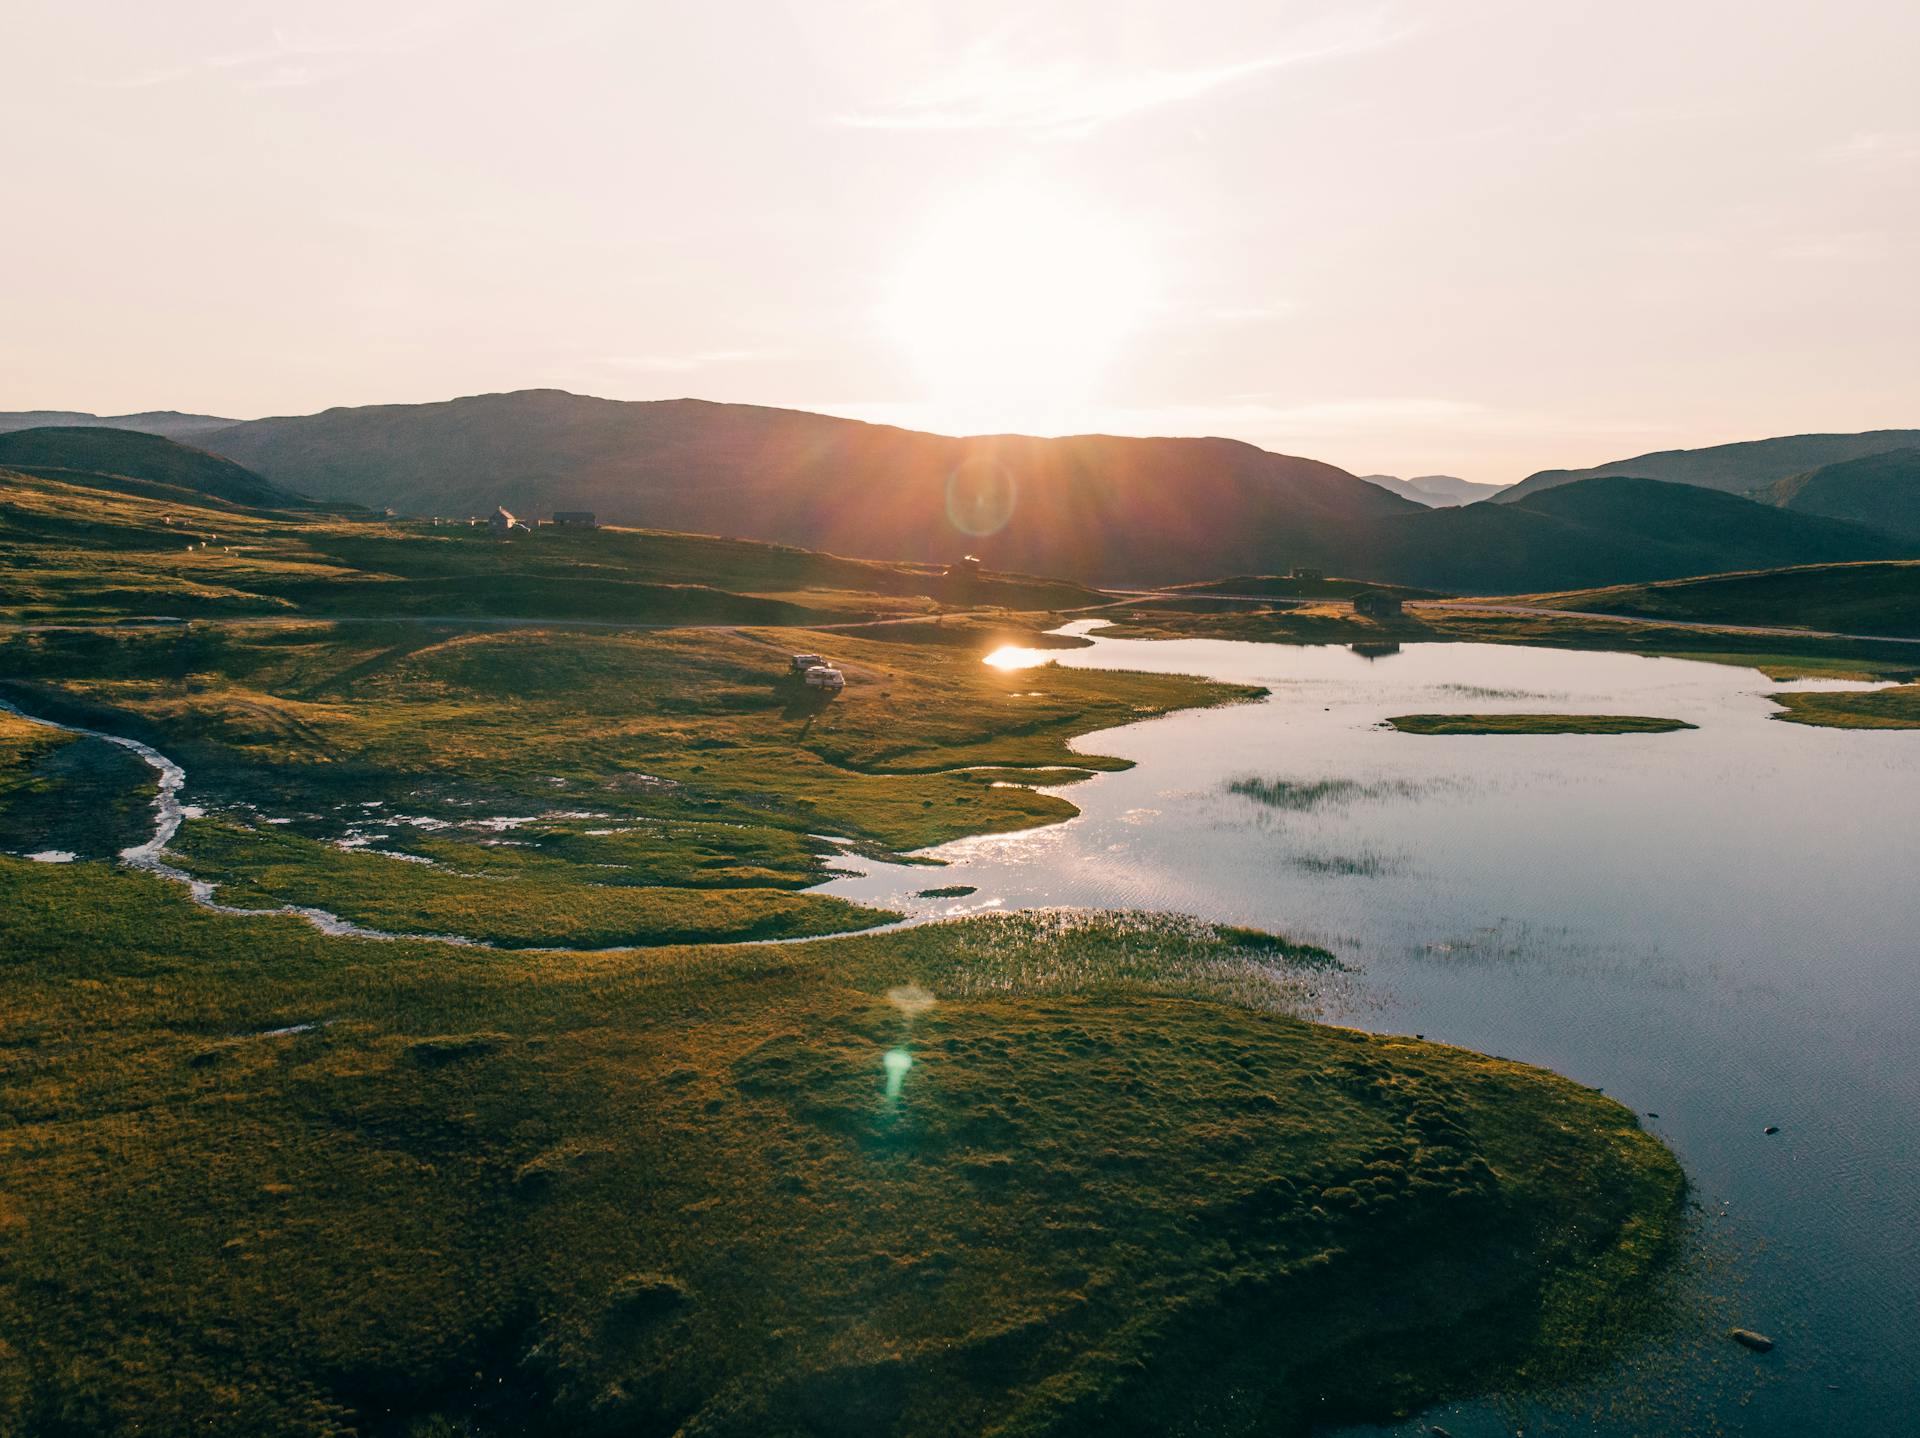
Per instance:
x=503, y=522
x=575, y=518
x=1378, y=604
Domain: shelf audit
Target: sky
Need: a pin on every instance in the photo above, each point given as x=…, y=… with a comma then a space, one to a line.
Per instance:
x=1478, y=238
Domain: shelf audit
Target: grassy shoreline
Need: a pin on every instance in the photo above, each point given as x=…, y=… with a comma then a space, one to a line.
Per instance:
x=261, y=1181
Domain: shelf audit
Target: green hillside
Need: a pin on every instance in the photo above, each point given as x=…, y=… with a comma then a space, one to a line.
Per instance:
x=141, y=464
x=1599, y=531
x=75, y=545
x=1881, y=491
x=1839, y=598
x=1732, y=468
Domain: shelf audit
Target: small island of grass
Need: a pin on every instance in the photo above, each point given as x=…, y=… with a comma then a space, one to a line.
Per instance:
x=1894, y=708
x=1535, y=724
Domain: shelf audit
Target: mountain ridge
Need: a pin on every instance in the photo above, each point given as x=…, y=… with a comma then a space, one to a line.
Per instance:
x=1087, y=507
x=1737, y=468
x=171, y=423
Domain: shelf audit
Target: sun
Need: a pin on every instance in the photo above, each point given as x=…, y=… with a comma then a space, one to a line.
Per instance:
x=1013, y=304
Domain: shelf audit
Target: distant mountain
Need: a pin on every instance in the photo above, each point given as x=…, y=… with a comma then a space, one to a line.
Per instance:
x=1881, y=491
x=140, y=463
x=169, y=422
x=1734, y=468
x=1437, y=491
x=1611, y=530
x=1090, y=508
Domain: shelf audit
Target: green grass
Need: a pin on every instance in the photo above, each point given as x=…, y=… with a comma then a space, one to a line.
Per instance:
x=706, y=717
x=257, y=1180
x=74, y=546
x=1535, y=724
x=1876, y=597
x=542, y=901
x=1895, y=708
x=1120, y=1187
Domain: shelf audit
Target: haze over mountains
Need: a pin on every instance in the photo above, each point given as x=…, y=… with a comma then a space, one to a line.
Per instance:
x=1093, y=508
x=1436, y=491
x=169, y=422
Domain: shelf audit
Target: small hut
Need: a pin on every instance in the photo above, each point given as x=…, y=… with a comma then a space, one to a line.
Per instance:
x=1378, y=604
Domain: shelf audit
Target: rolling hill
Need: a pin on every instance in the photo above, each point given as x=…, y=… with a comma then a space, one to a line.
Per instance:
x=169, y=422
x=1611, y=530
x=1733, y=468
x=1436, y=491
x=1867, y=598
x=1091, y=507
x=1881, y=491
x=140, y=463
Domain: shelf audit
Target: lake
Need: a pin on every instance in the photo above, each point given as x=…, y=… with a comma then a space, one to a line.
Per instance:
x=1719, y=926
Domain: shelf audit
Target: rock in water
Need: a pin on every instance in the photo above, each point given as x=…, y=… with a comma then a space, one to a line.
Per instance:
x=1747, y=1338
x=1771, y=1128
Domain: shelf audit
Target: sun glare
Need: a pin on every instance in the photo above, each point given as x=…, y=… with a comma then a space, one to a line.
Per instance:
x=1013, y=304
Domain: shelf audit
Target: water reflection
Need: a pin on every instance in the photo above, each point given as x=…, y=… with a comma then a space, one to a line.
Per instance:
x=1715, y=925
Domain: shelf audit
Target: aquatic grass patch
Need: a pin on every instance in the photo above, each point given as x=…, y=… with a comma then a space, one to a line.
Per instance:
x=1535, y=724
x=1305, y=795
x=1347, y=866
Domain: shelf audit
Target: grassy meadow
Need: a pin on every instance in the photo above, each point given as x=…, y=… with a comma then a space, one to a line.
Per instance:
x=259, y=1181
x=617, y=1171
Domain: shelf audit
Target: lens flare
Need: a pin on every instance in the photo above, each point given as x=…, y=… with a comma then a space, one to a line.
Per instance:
x=897, y=1062
x=980, y=497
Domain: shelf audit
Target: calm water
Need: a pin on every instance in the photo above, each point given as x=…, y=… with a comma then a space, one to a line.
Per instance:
x=1721, y=927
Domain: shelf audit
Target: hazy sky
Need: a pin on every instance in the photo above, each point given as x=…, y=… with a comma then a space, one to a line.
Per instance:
x=1479, y=237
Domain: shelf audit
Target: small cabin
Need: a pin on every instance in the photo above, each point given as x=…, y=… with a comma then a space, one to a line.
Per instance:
x=1378, y=604
x=575, y=519
x=503, y=522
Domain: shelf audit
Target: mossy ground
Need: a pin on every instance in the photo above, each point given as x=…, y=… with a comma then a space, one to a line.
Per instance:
x=576, y=786
x=258, y=1181
x=1535, y=724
